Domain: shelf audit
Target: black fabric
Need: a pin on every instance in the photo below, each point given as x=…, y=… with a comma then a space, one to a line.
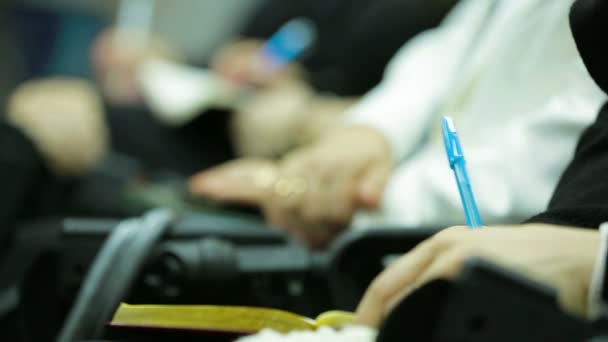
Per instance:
x=29, y=190
x=356, y=38
x=581, y=196
x=21, y=172
x=589, y=22
x=203, y=143
x=584, y=185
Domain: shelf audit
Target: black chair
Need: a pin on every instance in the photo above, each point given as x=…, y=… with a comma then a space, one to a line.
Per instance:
x=218, y=259
x=485, y=303
x=208, y=258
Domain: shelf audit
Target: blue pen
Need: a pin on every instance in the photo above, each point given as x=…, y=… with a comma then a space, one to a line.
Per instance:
x=455, y=155
x=288, y=43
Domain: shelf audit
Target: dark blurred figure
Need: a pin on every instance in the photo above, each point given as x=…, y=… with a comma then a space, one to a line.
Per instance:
x=51, y=133
x=581, y=197
x=52, y=130
x=12, y=67
x=357, y=37
x=355, y=42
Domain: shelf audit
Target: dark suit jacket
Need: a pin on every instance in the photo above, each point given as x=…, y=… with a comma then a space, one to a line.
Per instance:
x=356, y=38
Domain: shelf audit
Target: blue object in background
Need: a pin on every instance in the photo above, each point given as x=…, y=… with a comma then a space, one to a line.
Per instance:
x=457, y=162
x=70, y=54
x=56, y=43
x=289, y=42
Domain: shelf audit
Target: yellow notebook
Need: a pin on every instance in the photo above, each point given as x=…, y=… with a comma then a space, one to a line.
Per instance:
x=222, y=319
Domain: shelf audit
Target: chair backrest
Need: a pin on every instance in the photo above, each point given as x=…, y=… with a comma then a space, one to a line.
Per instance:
x=357, y=257
x=112, y=274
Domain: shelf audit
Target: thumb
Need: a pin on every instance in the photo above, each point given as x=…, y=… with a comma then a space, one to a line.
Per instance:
x=224, y=188
x=371, y=186
x=206, y=183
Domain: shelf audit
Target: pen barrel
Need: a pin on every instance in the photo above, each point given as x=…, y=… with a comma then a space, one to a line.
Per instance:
x=471, y=212
x=288, y=43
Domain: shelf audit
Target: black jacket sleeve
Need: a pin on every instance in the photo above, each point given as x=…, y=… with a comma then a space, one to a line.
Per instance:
x=21, y=171
x=581, y=196
x=363, y=37
x=589, y=22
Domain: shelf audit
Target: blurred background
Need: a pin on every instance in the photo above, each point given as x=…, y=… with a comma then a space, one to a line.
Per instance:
x=110, y=108
x=112, y=93
x=41, y=38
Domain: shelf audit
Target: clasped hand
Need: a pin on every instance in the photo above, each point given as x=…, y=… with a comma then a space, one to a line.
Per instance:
x=312, y=192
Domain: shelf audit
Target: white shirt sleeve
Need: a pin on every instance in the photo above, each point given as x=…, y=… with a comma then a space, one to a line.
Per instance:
x=402, y=106
x=509, y=185
x=518, y=130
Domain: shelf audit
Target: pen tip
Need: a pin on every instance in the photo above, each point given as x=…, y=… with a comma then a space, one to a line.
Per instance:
x=449, y=122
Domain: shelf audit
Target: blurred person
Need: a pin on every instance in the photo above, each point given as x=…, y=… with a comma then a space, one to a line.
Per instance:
x=143, y=30
x=571, y=260
x=509, y=73
x=345, y=27
x=63, y=117
x=53, y=130
x=581, y=196
x=116, y=56
x=356, y=41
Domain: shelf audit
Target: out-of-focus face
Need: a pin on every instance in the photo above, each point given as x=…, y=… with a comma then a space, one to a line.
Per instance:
x=589, y=21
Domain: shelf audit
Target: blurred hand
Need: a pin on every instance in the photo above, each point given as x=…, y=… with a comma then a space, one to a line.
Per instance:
x=245, y=181
x=117, y=56
x=64, y=118
x=266, y=125
x=313, y=192
x=323, y=114
x=241, y=63
x=560, y=257
x=319, y=188
x=285, y=115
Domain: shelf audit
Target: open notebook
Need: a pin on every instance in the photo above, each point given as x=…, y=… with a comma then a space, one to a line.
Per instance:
x=238, y=320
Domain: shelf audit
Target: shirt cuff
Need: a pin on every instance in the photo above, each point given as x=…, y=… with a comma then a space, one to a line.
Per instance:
x=596, y=297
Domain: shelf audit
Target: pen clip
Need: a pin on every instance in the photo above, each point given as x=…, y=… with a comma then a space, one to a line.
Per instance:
x=451, y=141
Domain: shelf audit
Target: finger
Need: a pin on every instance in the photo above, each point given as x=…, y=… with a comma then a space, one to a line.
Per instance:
x=320, y=199
x=316, y=236
x=313, y=203
x=327, y=205
x=453, y=246
x=198, y=185
x=282, y=209
x=288, y=202
x=221, y=185
x=445, y=266
x=342, y=191
x=330, y=199
x=230, y=64
x=372, y=185
x=388, y=284
x=218, y=190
